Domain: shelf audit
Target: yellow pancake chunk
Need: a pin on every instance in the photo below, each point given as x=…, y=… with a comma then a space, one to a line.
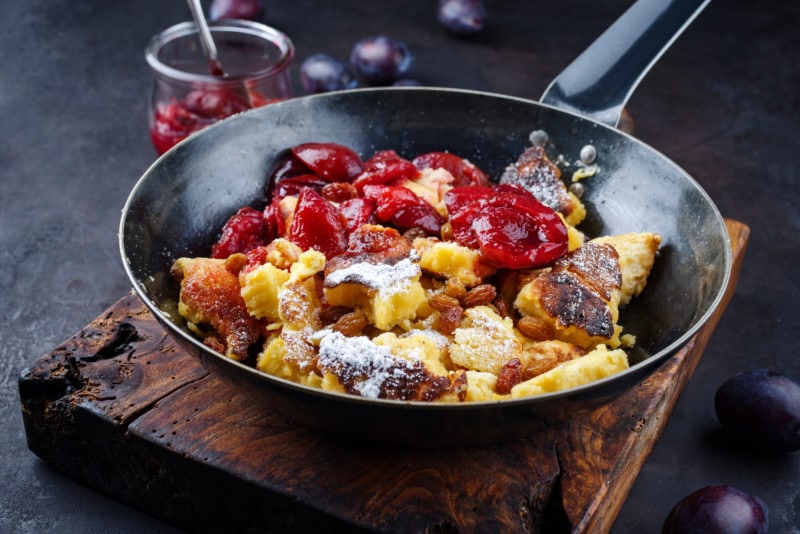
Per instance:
x=596, y=365
x=389, y=295
x=260, y=288
x=484, y=341
x=480, y=386
x=448, y=259
x=637, y=253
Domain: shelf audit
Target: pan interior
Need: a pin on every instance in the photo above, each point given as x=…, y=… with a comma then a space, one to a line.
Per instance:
x=179, y=205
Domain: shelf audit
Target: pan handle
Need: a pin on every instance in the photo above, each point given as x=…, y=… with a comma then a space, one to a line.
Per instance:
x=599, y=82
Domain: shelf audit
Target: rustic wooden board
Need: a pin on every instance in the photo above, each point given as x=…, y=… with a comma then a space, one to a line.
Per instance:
x=120, y=408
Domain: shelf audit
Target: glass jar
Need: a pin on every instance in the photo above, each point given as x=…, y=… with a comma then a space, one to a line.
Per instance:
x=186, y=97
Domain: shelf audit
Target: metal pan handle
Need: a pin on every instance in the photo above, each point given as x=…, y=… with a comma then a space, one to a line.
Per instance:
x=599, y=82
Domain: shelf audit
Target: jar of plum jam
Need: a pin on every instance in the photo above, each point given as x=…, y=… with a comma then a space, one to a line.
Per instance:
x=188, y=94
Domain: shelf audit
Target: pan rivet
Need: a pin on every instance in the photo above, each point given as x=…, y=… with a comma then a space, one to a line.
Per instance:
x=538, y=138
x=588, y=154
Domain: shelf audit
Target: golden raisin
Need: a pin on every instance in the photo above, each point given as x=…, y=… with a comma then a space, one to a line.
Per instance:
x=541, y=364
x=504, y=307
x=331, y=314
x=351, y=324
x=235, y=262
x=447, y=232
x=443, y=302
x=480, y=295
x=454, y=287
x=450, y=319
x=535, y=328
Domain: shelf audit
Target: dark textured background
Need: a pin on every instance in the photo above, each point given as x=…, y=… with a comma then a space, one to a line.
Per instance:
x=724, y=103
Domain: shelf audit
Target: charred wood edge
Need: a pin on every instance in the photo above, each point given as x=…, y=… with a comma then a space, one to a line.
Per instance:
x=61, y=428
x=599, y=514
x=111, y=337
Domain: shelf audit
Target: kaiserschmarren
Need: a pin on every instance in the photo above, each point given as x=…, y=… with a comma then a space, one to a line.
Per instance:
x=417, y=280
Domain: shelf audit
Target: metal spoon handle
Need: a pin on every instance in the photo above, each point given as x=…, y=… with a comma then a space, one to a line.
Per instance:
x=599, y=82
x=206, y=40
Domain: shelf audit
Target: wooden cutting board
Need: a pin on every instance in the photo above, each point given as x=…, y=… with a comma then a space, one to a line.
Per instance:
x=120, y=408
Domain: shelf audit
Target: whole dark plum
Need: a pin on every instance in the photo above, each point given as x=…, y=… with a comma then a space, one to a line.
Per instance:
x=236, y=9
x=718, y=509
x=381, y=60
x=461, y=17
x=762, y=409
x=322, y=73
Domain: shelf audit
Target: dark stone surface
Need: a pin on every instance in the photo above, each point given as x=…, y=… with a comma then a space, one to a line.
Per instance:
x=724, y=103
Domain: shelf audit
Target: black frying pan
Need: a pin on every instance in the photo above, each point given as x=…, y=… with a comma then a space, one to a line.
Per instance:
x=181, y=202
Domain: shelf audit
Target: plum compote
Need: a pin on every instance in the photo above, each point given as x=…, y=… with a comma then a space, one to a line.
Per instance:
x=337, y=192
x=252, y=70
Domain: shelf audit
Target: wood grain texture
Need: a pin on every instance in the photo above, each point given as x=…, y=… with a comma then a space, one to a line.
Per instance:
x=121, y=409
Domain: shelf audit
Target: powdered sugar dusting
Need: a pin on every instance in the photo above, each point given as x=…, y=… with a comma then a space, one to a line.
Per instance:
x=440, y=340
x=540, y=181
x=503, y=343
x=536, y=173
x=387, y=279
x=597, y=265
x=362, y=363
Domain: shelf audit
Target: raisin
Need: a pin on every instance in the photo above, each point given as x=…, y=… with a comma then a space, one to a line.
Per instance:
x=504, y=307
x=450, y=312
x=351, y=324
x=535, y=328
x=479, y=295
x=508, y=377
x=454, y=287
x=450, y=319
x=441, y=302
x=331, y=314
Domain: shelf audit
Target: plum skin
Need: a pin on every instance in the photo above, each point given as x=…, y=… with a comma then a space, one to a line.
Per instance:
x=236, y=9
x=321, y=73
x=718, y=509
x=381, y=60
x=461, y=17
x=761, y=408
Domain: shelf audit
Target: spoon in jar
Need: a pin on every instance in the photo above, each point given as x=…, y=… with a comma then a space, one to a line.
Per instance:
x=206, y=40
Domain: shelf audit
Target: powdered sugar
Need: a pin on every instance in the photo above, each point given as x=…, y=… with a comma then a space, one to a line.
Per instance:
x=540, y=180
x=503, y=342
x=596, y=265
x=361, y=363
x=440, y=340
x=387, y=279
